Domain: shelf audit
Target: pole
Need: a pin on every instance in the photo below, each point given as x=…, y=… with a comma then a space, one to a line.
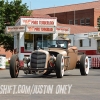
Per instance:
x=74, y=17
x=54, y=10
x=30, y=5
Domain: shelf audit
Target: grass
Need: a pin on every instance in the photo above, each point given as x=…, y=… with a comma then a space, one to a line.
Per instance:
x=7, y=63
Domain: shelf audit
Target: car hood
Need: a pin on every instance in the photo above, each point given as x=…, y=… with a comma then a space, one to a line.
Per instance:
x=60, y=51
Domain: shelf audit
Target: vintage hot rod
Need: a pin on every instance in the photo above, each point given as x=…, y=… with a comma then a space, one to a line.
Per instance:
x=52, y=56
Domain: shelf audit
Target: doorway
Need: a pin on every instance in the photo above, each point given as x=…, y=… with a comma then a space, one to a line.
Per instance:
x=98, y=46
x=41, y=37
x=37, y=37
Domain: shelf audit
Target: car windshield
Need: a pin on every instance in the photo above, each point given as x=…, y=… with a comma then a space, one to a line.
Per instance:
x=52, y=44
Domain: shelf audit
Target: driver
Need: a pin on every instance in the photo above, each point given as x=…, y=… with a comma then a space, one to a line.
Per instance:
x=60, y=43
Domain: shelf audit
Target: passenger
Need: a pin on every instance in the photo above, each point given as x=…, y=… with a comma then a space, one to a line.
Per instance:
x=69, y=45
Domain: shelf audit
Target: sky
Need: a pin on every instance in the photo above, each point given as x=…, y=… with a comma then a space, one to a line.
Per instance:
x=38, y=4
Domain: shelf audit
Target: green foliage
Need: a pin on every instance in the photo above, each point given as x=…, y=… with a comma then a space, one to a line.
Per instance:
x=9, y=13
x=98, y=22
x=2, y=16
x=7, y=63
x=14, y=10
x=7, y=42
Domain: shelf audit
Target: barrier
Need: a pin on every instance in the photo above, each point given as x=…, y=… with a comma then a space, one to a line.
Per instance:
x=2, y=61
x=89, y=62
x=95, y=62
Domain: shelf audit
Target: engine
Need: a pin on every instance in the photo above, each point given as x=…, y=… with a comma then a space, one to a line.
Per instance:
x=52, y=61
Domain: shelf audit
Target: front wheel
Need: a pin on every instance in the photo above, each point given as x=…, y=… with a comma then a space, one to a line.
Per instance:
x=59, y=66
x=84, y=65
x=14, y=68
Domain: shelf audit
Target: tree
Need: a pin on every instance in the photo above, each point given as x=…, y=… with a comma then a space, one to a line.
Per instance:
x=2, y=16
x=98, y=22
x=8, y=42
x=9, y=13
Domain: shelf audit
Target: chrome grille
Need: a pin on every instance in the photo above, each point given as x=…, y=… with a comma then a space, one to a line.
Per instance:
x=38, y=60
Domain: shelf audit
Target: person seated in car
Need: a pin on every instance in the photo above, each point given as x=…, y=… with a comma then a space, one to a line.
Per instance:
x=59, y=43
x=69, y=45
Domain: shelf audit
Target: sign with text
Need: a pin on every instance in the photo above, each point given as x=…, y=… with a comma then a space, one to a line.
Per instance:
x=65, y=30
x=43, y=29
x=10, y=29
x=39, y=21
x=94, y=34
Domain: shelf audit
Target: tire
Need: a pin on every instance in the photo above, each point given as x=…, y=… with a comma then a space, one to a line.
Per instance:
x=59, y=66
x=84, y=65
x=14, y=68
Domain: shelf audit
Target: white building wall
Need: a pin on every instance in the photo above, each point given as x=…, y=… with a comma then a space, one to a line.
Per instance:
x=93, y=44
x=71, y=36
x=15, y=41
x=75, y=41
x=21, y=44
x=55, y=36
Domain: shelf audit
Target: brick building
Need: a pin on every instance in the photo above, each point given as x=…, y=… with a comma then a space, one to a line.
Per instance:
x=76, y=14
x=8, y=54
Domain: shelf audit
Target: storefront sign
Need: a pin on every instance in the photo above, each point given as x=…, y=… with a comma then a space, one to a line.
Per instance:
x=94, y=34
x=15, y=29
x=40, y=29
x=39, y=21
x=63, y=30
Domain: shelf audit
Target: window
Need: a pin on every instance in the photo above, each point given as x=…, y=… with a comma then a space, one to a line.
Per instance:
x=87, y=21
x=47, y=36
x=70, y=21
x=82, y=22
x=76, y=22
x=80, y=43
x=98, y=46
x=89, y=42
x=85, y=43
x=28, y=40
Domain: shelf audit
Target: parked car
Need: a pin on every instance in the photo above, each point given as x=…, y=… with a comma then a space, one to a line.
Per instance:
x=52, y=56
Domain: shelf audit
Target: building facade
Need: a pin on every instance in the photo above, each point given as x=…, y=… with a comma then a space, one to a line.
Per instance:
x=77, y=14
x=78, y=17
x=8, y=54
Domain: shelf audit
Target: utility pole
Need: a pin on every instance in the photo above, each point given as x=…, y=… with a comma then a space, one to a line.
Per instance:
x=54, y=10
x=30, y=5
x=74, y=17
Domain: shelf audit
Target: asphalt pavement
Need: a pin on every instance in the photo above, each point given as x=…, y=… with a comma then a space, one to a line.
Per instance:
x=72, y=86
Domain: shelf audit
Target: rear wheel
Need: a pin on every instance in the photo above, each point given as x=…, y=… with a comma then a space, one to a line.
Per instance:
x=59, y=66
x=84, y=65
x=14, y=66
